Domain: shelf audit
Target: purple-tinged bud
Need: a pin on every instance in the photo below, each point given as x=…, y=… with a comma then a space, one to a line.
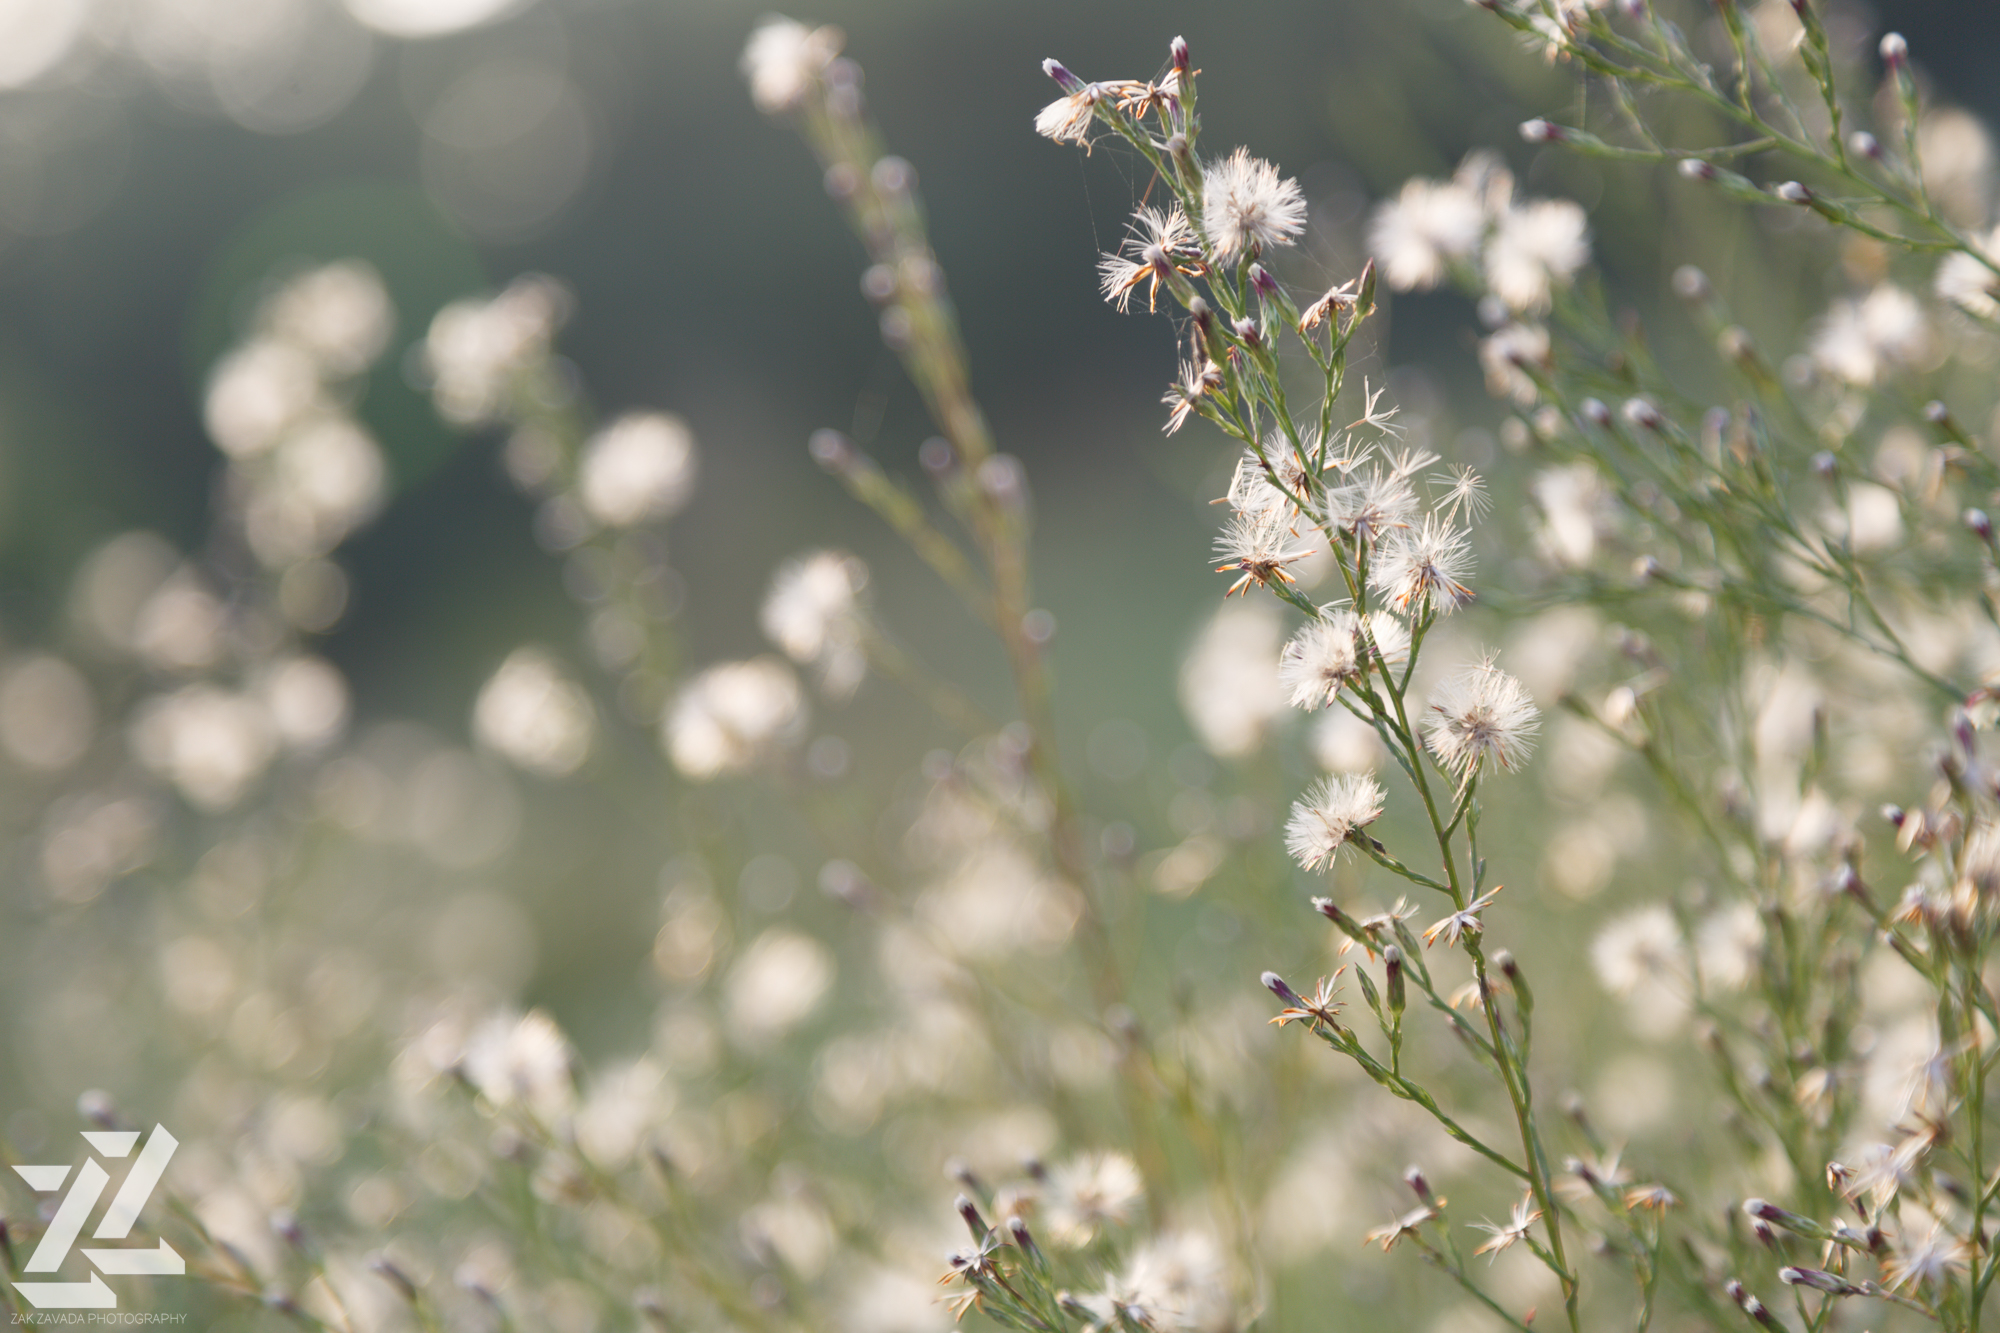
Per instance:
x=1065, y=80
x=1819, y=1280
x=1792, y=192
x=1825, y=465
x=1508, y=967
x=937, y=458
x=1176, y=146
x=968, y=1211
x=1895, y=51
x=1420, y=1186
x=1876, y=1240
x=1863, y=144
x=1265, y=284
x=1035, y=1169
x=1199, y=312
x=959, y=1170
x=1765, y=1235
x=97, y=1107
x=1330, y=909
x=832, y=450
x=1634, y=10
x=1392, y=973
x=386, y=1268
x=285, y=1226
x=878, y=284
x=1247, y=330
x=1647, y=568
x=1694, y=169
x=1005, y=482
x=1961, y=731
x=1894, y=814
x=1596, y=413
x=1691, y=284
x=280, y=1300
x=1641, y=413
x=1017, y=1227
x=1177, y=51
x=1540, y=131
x=1937, y=413
x=1276, y=985
x=1981, y=525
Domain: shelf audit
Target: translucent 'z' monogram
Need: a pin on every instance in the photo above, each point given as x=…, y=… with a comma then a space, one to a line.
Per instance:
x=75, y=1209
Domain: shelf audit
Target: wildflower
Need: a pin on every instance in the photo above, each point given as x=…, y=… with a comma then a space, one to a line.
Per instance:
x=813, y=613
x=1534, y=248
x=1385, y=422
x=475, y=350
x=1229, y=679
x=1465, y=493
x=1502, y=1237
x=1159, y=243
x=1255, y=547
x=1320, y=1007
x=1406, y=1225
x=1334, y=810
x=1067, y=119
x=783, y=59
x=1088, y=1193
x=1197, y=379
x=1819, y=1280
x=1336, y=298
x=1333, y=652
x=1463, y=922
x=1176, y=1283
x=1968, y=283
x=1480, y=714
x=534, y=715
x=1421, y=569
x=1655, y=1196
x=1244, y=205
x=1371, y=505
x=1932, y=1260
x=1507, y=357
x=522, y=1062
x=639, y=468
x=339, y=314
x=730, y=715
x=1417, y=234
x=1639, y=950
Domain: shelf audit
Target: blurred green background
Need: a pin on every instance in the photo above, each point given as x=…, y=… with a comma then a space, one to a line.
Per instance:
x=160, y=159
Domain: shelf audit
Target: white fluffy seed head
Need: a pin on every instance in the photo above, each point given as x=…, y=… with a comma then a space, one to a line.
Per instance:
x=1330, y=813
x=1481, y=714
x=1245, y=203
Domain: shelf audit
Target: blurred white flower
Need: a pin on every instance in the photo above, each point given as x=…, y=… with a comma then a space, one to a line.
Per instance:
x=1088, y=1193
x=339, y=315
x=1727, y=944
x=1535, y=247
x=640, y=467
x=1575, y=509
x=522, y=1062
x=1424, y=568
x=1858, y=341
x=534, y=715
x=813, y=612
x=1343, y=743
x=476, y=350
x=307, y=700
x=1507, y=356
x=326, y=479
x=1229, y=683
x=1176, y=1282
x=257, y=393
x=778, y=982
x=1641, y=956
x=1968, y=283
x=1418, y=233
x=1244, y=204
x=783, y=59
x=210, y=743
x=625, y=1104
x=47, y=713
x=732, y=715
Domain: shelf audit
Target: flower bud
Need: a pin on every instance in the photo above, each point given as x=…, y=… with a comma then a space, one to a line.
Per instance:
x=1825, y=465
x=842, y=179
x=1540, y=131
x=1643, y=414
x=285, y=1226
x=1177, y=51
x=1863, y=144
x=1691, y=284
x=1276, y=985
x=1420, y=1186
x=1247, y=330
x=1596, y=413
x=1065, y=80
x=893, y=175
x=1265, y=284
x=1199, y=312
x=1894, y=50
x=1894, y=814
x=1792, y=192
x=1818, y=1280
x=969, y=1212
x=97, y=1107
x=386, y=1268
x=1694, y=169
x=1177, y=147
x=937, y=458
x=1392, y=969
x=1981, y=525
x=1937, y=413
x=1017, y=1227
